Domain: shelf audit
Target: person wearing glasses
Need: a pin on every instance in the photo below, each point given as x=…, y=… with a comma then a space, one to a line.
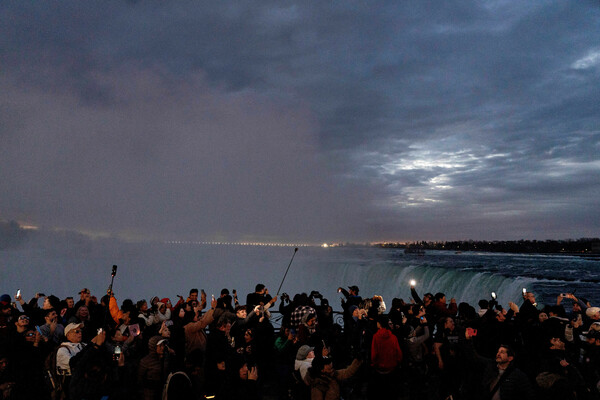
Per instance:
x=68, y=349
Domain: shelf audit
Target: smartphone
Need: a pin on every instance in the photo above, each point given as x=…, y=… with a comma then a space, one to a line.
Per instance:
x=134, y=330
x=563, y=295
x=37, y=327
x=472, y=332
x=117, y=353
x=413, y=283
x=168, y=322
x=213, y=297
x=422, y=318
x=18, y=292
x=99, y=331
x=524, y=290
x=494, y=295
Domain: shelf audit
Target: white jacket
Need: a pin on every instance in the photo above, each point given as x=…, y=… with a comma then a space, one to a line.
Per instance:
x=64, y=354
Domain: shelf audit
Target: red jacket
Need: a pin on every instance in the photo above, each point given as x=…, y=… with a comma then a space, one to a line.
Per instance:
x=385, y=351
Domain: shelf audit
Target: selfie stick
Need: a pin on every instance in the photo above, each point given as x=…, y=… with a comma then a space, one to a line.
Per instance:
x=286, y=271
x=112, y=279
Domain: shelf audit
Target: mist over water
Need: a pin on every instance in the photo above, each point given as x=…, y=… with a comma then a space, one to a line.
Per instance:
x=166, y=270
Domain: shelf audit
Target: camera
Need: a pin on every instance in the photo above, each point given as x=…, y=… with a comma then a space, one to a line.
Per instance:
x=316, y=294
x=285, y=297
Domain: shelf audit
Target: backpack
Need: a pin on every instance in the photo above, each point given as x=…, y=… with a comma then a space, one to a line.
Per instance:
x=55, y=381
x=165, y=394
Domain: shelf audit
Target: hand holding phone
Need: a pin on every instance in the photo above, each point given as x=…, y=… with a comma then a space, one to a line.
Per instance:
x=471, y=332
x=134, y=330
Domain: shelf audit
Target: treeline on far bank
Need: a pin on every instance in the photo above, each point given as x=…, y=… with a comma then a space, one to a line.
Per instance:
x=568, y=246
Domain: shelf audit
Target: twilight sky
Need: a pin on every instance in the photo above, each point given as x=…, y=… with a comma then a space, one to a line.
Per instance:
x=302, y=121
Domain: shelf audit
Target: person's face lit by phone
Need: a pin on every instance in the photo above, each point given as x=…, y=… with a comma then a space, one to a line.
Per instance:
x=23, y=321
x=244, y=372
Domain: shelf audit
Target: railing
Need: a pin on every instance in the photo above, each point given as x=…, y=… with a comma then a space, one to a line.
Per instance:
x=277, y=317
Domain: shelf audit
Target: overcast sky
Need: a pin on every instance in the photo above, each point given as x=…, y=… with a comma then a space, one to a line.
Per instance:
x=302, y=121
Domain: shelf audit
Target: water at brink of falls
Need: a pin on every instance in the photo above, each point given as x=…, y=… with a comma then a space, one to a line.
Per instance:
x=166, y=270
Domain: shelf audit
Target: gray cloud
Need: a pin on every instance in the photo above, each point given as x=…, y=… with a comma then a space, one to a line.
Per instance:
x=304, y=121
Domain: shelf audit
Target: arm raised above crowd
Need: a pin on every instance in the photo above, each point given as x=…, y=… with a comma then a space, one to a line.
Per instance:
x=113, y=307
x=348, y=372
x=203, y=322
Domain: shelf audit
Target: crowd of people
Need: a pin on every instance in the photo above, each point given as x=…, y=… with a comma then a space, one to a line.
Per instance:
x=296, y=348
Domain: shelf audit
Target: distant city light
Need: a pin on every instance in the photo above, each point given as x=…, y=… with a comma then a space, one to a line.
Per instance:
x=238, y=243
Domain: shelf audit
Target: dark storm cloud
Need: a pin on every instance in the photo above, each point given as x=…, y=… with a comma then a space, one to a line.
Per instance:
x=302, y=121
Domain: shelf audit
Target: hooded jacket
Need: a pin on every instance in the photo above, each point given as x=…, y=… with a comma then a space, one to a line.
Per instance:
x=385, y=351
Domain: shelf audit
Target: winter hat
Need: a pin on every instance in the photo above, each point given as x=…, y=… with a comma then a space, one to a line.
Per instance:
x=165, y=300
x=5, y=299
x=352, y=308
x=303, y=352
